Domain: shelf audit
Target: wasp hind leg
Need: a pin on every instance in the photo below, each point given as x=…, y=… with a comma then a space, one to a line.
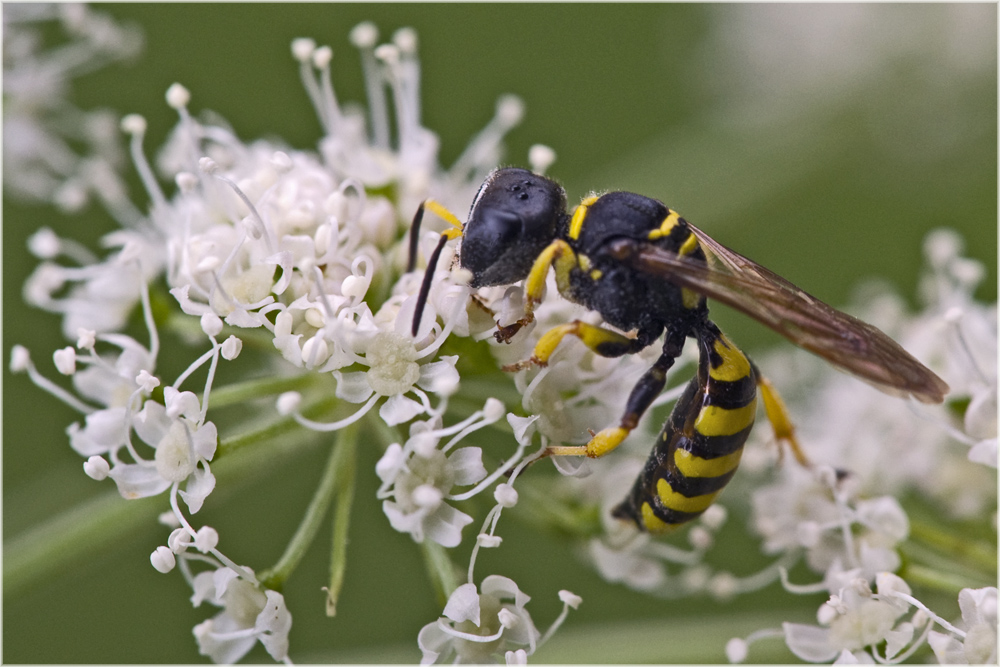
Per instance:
x=781, y=420
x=645, y=391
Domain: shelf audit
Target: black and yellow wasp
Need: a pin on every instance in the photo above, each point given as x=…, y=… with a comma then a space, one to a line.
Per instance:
x=647, y=271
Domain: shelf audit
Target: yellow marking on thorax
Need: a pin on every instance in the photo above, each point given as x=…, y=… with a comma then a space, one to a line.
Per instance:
x=689, y=246
x=734, y=364
x=586, y=265
x=680, y=502
x=713, y=420
x=576, y=223
x=690, y=465
x=666, y=226
x=690, y=299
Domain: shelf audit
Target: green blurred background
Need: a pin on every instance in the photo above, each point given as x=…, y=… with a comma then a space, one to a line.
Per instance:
x=823, y=141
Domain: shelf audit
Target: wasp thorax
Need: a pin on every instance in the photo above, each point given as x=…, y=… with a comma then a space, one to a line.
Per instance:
x=514, y=217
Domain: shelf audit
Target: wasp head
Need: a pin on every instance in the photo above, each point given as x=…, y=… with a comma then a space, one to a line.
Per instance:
x=514, y=217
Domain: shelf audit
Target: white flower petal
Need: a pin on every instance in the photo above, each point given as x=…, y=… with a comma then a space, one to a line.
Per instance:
x=463, y=605
x=432, y=641
x=886, y=515
x=188, y=306
x=947, y=649
x=199, y=485
x=440, y=377
x=104, y=431
x=504, y=588
x=289, y=347
x=978, y=605
x=445, y=525
x=151, y=423
x=985, y=452
x=224, y=651
x=411, y=523
x=204, y=588
x=522, y=426
x=181, y=403
x=222, y=578
x=809, y=642
x=898, y=639
x=138, y=481
x=206, y=439
x=353, y=387
x=981, y=414
x=390, y=464
x=273, y=624
x=467, y=465
x=399, y=409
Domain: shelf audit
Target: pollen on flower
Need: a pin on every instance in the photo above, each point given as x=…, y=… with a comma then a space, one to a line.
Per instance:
x=393, y=367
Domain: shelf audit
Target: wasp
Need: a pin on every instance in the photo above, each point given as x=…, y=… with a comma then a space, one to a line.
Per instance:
x=648, y=271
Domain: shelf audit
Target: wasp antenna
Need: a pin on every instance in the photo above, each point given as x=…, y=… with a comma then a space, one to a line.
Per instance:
x=425, y=286
x=418, y=217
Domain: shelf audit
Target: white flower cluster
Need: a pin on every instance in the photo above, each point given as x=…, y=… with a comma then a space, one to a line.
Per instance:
x=296, y=244
x=53, y=151
x=883, y=445
x=304, y=251
x=855, y=621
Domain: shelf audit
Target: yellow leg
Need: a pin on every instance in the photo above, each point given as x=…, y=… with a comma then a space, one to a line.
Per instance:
x=443, y=213
x=534, y=287
x=611, y=344
x=781, y=421
x=599, y=445
x=603, y=341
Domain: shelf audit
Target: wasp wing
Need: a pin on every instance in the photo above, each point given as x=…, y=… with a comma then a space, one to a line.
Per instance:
x=845, y=341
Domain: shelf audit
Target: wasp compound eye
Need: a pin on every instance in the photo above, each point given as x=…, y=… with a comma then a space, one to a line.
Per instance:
x=515, y=216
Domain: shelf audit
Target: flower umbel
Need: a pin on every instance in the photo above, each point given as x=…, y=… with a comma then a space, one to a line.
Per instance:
x=275, y=280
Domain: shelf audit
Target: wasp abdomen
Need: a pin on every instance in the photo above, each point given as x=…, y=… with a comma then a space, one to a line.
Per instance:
x=700, y=446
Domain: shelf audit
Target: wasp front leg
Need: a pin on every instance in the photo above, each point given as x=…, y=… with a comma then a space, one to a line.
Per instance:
x=558, y=253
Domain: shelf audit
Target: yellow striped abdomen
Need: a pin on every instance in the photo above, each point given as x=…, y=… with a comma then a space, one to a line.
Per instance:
x=700, y=446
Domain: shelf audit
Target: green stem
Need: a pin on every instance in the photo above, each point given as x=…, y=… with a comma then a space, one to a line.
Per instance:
x=54, y=546
x=440, y=569
x=275, y=429
x=342, y=517
x=944, y=582
x=190, y=328
x=241, y=392
x=90, y=528
x=276, y=576
x=957, y=546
